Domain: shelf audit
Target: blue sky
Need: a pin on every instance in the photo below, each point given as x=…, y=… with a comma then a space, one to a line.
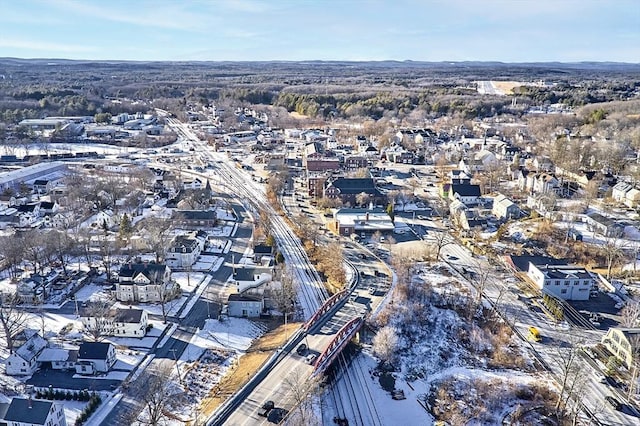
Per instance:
x=256, y=30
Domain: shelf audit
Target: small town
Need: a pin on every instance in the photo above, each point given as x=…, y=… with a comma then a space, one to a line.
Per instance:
x=316, y=242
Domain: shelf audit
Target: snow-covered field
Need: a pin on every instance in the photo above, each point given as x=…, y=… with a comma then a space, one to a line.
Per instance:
x=448, y=350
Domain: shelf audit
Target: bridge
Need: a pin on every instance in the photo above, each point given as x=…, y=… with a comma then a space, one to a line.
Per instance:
x=339, y=342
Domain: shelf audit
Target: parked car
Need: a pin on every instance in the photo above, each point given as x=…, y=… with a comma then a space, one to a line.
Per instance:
x=266, y=408
x=613, y=402
x=311, y=358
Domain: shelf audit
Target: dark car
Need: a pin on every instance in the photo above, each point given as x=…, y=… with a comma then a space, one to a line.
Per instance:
x=266, y=407
x=613, y=402
x=302, y=349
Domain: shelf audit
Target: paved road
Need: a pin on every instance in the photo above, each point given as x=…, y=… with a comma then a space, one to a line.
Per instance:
x=130, y=405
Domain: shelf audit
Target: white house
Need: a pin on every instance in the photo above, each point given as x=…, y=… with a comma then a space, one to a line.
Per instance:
x=249, y=277
x=95, y=357
x=504, y=208
x=562, y=281
x=32, y=412
x=623, y=343
x=58, y=359
x=128, y=322
x=466, y=193
x=145, y=282
x=185, y=250
x=240, y=305
x=24, y=360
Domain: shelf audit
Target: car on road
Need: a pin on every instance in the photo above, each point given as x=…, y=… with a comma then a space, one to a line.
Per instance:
x=613, y=402
x=302, y=349
x=266, y=408
x=311, y=358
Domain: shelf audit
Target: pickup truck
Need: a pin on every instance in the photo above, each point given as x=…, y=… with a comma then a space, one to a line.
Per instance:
x=266, y=408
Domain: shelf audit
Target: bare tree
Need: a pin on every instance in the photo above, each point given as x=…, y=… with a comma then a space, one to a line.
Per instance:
x=12, y=253
x=385, y=343
x=570, y=377
x=32, y=243
x=613, y=251
x=59, y=245
x=99, y=321
x=303, y=389
x=441, y=240
x=630, y=314
x=285, y=296
x=167, y=291
x=12, y=318
x=158, y=235
x=479, y=278
x=362, y=199
x=157, y=394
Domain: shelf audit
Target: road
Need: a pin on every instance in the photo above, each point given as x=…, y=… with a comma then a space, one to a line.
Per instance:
x=502, y=291
x=282, y=381
x=131, y=403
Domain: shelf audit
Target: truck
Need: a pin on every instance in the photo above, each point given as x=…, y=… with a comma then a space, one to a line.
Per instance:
x=266, y=408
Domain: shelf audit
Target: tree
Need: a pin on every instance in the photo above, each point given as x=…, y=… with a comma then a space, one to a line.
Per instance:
x=571, y=378
x=167, y=292
x=613, y=251
x=157, y=393
x=442, y=239
x=100, y=319
x=12, y=318
x=126, y=228
x=630, y=314
x=60, y=245
x=302, y=390
x=157, y=235
x=363, y=199
x=385, y=343
x=12, y=252
x=285, y=296
x=390, y=212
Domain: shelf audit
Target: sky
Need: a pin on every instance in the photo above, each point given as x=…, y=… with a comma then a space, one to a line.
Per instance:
x=342, y=30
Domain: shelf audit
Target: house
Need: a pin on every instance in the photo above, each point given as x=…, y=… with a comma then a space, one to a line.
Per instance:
x=127, y=322
x=623, y=343
x=195, y=218
x=249, y=277
x=626, y=194
x=95, y=357
x=504, y=208
x=32, y=412
x=540, y=183
x=467, y=193
x=130, y=323
x=606, y=226
x=361, y=221
x=565, y=282
x=348, y=189
x=184, y=250
x=355, y=162
x=42, y=186
x=145, y=282
x=24, y=360
x=260, y=251
x=58, y=359
x=240, y=305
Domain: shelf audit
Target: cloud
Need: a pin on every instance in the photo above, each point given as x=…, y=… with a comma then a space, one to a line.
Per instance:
x=44, y=46
x=164, y=15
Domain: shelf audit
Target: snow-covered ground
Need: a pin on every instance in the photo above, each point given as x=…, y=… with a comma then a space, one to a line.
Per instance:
x=208, y=356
